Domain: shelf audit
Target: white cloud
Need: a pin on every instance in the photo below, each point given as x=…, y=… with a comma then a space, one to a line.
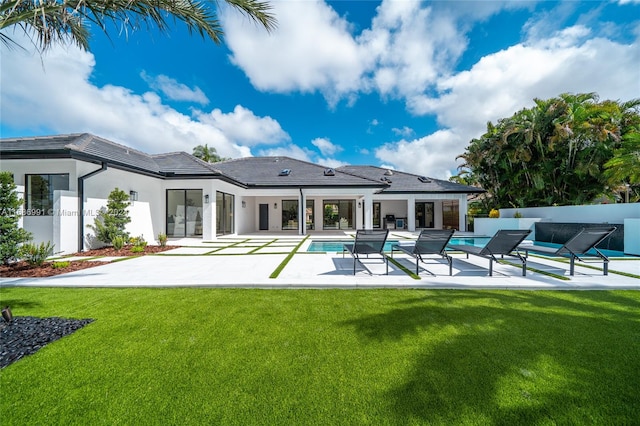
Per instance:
x=291, y=150
x=311, y=50
x=174, y=90
x=325, y=146
x=404, y=131
x=502, y=83
x=55, y=92
x=244, y=127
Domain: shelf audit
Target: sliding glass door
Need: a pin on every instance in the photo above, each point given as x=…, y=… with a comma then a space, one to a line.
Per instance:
x=338, y=214
x=184, y=213
x=224, y=213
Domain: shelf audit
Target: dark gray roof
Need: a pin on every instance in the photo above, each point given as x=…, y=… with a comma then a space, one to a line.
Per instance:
x=257, y=172
x=403, y=183
x=267, y=172
x=88, y=147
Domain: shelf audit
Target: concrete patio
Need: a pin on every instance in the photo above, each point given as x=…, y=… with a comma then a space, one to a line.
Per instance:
x=249, y=261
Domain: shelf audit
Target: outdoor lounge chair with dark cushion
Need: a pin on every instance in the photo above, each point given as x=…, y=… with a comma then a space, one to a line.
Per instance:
x=503, y=243
x=430, y=241
x=584, y=241
x=368, y=241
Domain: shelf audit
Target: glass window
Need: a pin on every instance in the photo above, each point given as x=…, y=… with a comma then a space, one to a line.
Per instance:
x=289, y=214
x=184, y=212
x=310, y=214
x=39, y=192
x=450, y=214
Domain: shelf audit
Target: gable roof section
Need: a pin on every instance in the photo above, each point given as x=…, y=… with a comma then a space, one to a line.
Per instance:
x=269, y=172
x=406, y=183
x=87, y=147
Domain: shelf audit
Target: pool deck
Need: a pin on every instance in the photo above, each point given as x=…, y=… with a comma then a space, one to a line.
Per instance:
x=248, y=261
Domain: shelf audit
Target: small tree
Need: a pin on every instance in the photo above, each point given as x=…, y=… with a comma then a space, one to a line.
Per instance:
x=112, y=220
x=11, y=235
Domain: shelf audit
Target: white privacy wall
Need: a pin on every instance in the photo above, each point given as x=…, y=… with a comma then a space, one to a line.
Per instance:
x=597, y=213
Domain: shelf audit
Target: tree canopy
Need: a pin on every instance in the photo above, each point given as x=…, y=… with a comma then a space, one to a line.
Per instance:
x=62, y=21
x=208, y=154
x=556, y=152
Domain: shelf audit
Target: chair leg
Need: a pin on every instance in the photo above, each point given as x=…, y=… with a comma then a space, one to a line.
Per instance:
x=450, y=260
x=490, y=267
x=572, y=264
x=605, y=267
x=354, y=265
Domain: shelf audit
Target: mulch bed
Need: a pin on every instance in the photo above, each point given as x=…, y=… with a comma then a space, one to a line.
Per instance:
x=24, y=270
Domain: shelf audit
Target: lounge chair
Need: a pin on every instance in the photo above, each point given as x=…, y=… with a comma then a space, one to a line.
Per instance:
x=577, y=247
x=368, y=241
x=430, y=241
x=503, y=243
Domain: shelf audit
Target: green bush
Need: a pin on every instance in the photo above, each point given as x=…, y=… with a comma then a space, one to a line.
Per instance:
x=137, y=249
x=36, y=254
x=61, y=264
x=118, y=242
x=112, y=220
x=139, y=242
x=162, y=239
x=11, y=235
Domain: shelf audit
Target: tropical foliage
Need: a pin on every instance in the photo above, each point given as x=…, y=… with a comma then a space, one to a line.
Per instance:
x=556, y=152
x=62, y=21
x=206, y=153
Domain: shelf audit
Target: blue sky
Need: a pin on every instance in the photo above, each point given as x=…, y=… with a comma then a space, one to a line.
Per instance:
x=399, y=84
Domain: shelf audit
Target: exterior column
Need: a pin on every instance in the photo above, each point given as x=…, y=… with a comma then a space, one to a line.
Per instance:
x=462, y=212
x=209, y=216
x=411, y=213
x=302, y=210
x=368, y=211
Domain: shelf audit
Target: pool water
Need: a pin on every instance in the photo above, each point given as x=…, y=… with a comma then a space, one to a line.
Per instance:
x=337, y=245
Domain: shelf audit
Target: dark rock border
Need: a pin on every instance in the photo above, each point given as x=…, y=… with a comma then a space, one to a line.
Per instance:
x=26, y=335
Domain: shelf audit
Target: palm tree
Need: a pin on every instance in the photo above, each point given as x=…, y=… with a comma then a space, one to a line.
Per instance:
x=60, y=21
x=206, y=153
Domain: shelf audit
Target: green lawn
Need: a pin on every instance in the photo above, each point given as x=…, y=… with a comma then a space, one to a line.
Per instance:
x=223, y=356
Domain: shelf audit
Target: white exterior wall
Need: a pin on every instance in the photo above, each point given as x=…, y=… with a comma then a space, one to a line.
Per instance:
x=147, y=216
x=632, y=236
x=597, y=213
x=65, y=222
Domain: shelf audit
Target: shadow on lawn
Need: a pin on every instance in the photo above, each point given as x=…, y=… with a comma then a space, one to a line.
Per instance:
x=513, y=358
x=19, y=304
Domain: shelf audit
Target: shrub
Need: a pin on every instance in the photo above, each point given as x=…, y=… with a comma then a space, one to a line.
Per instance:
x=494, y=213
x=36, y=254
x=118, y=242
x=162, y=239
x=517, y=215
x=10, y=211
x=112, y=220
x=61, y=264
x=139, y=242
x=137, y=249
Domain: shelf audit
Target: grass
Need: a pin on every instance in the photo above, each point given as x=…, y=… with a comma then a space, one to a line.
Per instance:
x=383, y=357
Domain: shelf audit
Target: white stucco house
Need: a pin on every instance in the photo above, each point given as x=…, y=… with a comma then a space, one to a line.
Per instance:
x=66, y=179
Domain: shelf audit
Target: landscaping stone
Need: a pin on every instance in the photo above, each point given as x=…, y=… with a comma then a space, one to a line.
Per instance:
x=26, y=335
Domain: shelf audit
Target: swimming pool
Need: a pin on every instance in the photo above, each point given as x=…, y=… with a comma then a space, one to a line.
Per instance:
x=337, y=245
x=320, y=246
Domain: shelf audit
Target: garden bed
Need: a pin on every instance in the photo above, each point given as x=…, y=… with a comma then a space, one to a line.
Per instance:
x=23, y=270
